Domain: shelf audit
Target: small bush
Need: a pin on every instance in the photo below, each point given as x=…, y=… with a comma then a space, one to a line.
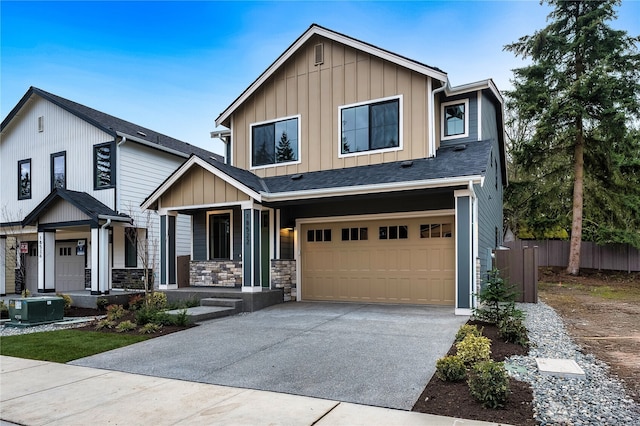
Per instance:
x=466, y=330
x=512, y=330
x=497, y=299
x=145, y=315
x=450, y=369
x=489, y=383
x=157, y=300
x=67, y=301
x=115, y=312
x=136, y=302
x=101, y=304
x=150, y=328
x=26, y=293
x=181, y=319
x=473, y=349
x=125, y=326
x=105, y=323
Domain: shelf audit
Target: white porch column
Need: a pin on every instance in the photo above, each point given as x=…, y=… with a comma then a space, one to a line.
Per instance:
x=3, y=263
x=104, y=266
x=46, y=261
x=95, y=260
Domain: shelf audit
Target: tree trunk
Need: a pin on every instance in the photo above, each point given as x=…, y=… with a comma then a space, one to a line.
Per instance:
x=578, y=200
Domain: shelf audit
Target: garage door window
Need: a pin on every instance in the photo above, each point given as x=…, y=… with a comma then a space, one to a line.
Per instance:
x=318, y=235
x=436, y=230
x=355, y=234
x=398, y=232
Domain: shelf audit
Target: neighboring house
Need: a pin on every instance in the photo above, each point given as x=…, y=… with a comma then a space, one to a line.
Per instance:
x=352, y=174
x=72, y=180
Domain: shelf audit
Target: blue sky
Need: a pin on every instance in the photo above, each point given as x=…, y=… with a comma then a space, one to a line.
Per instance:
x=175, y=66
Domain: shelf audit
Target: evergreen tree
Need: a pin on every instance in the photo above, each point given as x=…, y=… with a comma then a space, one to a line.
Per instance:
x=582, y=93
x=284, y=152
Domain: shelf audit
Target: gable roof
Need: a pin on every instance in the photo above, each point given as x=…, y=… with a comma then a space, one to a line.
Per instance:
x=84, y=202
x=113, y=125
x=315, y=29
x=453, y=166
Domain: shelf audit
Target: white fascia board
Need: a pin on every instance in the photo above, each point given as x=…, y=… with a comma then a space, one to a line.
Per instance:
x=184, y=168
x=220, y=134
x=478, y=85
x=152, y=145
x=348, y=41
x=368, y=189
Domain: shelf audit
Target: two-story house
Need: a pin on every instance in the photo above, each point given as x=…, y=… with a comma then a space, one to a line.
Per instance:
x=72, y=180
x=352, y=174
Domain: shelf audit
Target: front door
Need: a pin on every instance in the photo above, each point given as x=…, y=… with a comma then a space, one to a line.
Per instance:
x=70, y=263
x=31, y=268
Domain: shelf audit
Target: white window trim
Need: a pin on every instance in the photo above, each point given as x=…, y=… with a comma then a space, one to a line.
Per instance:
x=374, y=151
x=260, y=123
x=217, y=212
x=466, y=119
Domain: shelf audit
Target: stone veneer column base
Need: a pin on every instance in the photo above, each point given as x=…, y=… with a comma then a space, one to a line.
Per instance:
x=283, y=275
x=215, y=273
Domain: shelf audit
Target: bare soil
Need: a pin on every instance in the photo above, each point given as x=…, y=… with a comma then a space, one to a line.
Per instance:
x=601, y=310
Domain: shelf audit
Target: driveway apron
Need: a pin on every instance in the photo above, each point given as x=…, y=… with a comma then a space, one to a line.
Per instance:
x=381, y=355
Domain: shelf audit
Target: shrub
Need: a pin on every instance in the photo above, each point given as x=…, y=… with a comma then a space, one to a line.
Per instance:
x=26, y=293
x=115, y=312
x=473, y=349
x=67, y=301
x=125, y=326
x=489, y=383
x=466, y=330
x=4, y=310
x=512, y=330
x=157, y=300
x=136, y=302
x=181, y=319
x=150, y=328
x=145, y=315
x=105, y=323
x=450, y=369
x=496, y=298
x=101, y=304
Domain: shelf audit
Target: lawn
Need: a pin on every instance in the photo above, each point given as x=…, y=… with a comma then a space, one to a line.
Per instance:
x=64, y=345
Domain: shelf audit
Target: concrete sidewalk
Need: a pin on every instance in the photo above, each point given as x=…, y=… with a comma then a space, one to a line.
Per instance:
x=44, y=393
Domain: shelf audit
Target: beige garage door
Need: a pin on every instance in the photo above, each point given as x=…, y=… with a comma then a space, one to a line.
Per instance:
x=392, y=261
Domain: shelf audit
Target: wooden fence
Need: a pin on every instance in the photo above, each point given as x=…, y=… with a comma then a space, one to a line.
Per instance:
x=614, y=257
x=519, y=268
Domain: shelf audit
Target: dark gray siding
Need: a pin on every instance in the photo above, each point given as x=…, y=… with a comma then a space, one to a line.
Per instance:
x=200, y=235
x=473, y=119
x=463, y=226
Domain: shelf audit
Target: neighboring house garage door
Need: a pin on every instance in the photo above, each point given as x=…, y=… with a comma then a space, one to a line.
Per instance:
x=391, y=261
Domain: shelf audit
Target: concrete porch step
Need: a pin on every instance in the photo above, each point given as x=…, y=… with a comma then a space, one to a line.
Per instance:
x=222, y=301
x=203, y=313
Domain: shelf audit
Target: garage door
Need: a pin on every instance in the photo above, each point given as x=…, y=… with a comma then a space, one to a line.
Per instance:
x=390, y=261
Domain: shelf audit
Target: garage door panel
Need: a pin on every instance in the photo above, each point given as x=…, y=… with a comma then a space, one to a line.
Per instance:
x=400, y=270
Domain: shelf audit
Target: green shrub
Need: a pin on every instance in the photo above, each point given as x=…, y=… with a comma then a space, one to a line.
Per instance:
x=450, y=369
x=115, y=312
x=101, y=304
x=473, y=349
x=150, y=328
x=512, y=330
x=181, y=319
x=497, y=299
x=125, y=326
x=466, y=330
x=145, y=315
x=157, y=300
x=67, y=301
x=105, y=323
x=136, y=302
x=489, y=383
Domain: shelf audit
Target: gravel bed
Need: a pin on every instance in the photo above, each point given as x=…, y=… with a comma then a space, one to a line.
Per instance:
x=600, y=399
x=67, y=323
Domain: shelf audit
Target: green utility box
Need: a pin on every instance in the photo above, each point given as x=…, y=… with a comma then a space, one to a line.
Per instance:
x=28, y=311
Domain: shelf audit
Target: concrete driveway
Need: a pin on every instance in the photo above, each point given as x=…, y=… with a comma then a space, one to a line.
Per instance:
x=381, y=355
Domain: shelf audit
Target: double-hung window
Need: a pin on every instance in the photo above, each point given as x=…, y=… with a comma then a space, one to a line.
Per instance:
x=59, y=170
x=275, y=142
x=455, y=119
x=24, y=179
x=103, y=166
x=370, y=126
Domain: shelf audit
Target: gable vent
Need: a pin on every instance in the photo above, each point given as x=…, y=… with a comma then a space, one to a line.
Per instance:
x=319, y=53
x=41, y=124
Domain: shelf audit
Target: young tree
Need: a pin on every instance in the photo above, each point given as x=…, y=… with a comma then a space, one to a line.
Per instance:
x=582, y=91
x=284, y=152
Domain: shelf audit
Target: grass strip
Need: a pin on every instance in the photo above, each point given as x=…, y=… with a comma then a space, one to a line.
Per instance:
x=64, y=345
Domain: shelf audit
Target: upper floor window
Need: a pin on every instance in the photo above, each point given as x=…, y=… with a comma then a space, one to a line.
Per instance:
x=370, y=126
x=24, y=179
x=275, y=142
x=455, y=119
x=103, y=163
x=59, y=170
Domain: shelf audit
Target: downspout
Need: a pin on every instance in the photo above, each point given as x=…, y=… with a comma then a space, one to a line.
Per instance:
x=432, y=119
x=104, y=247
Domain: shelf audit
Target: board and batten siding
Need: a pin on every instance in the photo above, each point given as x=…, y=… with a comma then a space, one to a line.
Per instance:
x=62, y=131
x=315, y=93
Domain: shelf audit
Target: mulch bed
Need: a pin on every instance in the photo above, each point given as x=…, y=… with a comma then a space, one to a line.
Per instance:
x=454, y=399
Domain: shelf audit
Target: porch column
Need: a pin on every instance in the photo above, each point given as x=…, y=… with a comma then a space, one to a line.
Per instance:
x=100, y=265
x=465, y=269
x=168, y=259
x=3, y=263
x=251, y=272
x=95, y=260
x=46, y=261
